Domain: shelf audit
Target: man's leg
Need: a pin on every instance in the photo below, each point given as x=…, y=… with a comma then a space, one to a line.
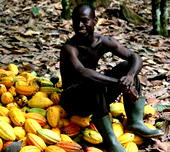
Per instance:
x=103, y=123
x=134, y=112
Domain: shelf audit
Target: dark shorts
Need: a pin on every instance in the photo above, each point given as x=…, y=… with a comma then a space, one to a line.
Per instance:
x=85, y=99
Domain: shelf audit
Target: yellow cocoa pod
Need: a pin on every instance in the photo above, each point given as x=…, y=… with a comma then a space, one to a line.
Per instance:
x=40, y=100
x=55, y=97
x=65, y=137
x=54, y=148
x=7, y=98
x=3, y=111
x=118, y=129
x=149, y=110
x=92, y=136
x=3, y=89
x=35, y=140
x=30, y=149
x=81, y=121
x=5, y=118
x=1, y=144
x=19, y=133
x=12, y=90
x=20, y=78
x=138, y=140
x=53, y=116
x=13, y=68
x=117, y=109
x=24, y=88
x=17, y=116
x=31, y=126
x=12, y=105
x=126, y=137
x=8, y=81
x=131, y=147
x=49, y=136
x=57, y=130
x=6, y=131
x=149, y=125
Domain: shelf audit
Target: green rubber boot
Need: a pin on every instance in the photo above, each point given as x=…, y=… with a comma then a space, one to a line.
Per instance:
x=104, y=126
x=134, y=112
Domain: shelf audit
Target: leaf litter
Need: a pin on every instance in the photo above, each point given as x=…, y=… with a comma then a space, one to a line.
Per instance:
x=32, y=32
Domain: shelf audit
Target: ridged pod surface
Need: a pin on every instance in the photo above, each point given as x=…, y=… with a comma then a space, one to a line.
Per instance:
x=35, y=140
x=53, y=116
x=30, y=149
x=17, y=116
x=6, y=131
x=31, y=126
x=70, y=146
x=49, y=136
x=53, y=148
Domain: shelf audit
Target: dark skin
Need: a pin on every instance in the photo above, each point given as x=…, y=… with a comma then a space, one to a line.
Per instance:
x=97, y=45
x=79, y=57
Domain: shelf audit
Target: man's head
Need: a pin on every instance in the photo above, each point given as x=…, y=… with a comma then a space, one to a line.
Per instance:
x=84, y=19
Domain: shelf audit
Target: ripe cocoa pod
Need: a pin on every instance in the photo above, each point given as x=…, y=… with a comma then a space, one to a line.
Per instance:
x=36, y=116
x=30, y=149
x=19, y=133
x=17, y=116
x=81, y=121
x=6, y=131
x=3, y=89
x=37, y=141
x=126, y=137
x=53, y=116
x=54, y=148
x=70, y=146
x=71, y=129
x=49, y=136
x=7, y=98
x=31, y=126
x=131, y=147
x=92, y=136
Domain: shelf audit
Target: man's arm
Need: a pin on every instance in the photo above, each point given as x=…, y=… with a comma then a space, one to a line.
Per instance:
x=133, y=59
x=86, y=73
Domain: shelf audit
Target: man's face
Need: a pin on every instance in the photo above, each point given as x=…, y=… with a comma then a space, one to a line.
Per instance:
x=84, y=25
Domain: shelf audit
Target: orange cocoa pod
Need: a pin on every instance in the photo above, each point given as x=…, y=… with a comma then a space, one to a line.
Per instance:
x=7, y=98
x=36, y=116
x=3, y=89
x=71, y=130
x=54, y=148
x=1, y=144
x=8, y=81
x=70, y=146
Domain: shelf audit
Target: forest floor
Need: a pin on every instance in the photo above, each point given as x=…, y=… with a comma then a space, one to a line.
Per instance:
x=32, y=32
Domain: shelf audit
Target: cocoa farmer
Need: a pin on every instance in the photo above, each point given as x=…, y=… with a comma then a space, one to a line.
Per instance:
x=86, y=91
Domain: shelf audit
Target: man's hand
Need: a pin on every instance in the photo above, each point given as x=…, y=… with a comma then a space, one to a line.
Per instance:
x=126, y=81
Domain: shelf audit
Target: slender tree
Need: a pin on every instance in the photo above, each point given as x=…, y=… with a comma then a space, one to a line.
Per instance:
x=160, y=17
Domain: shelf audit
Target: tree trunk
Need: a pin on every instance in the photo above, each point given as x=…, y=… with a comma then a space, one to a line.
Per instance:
x=160, y=17
x=164, y=17
x=156, y=17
